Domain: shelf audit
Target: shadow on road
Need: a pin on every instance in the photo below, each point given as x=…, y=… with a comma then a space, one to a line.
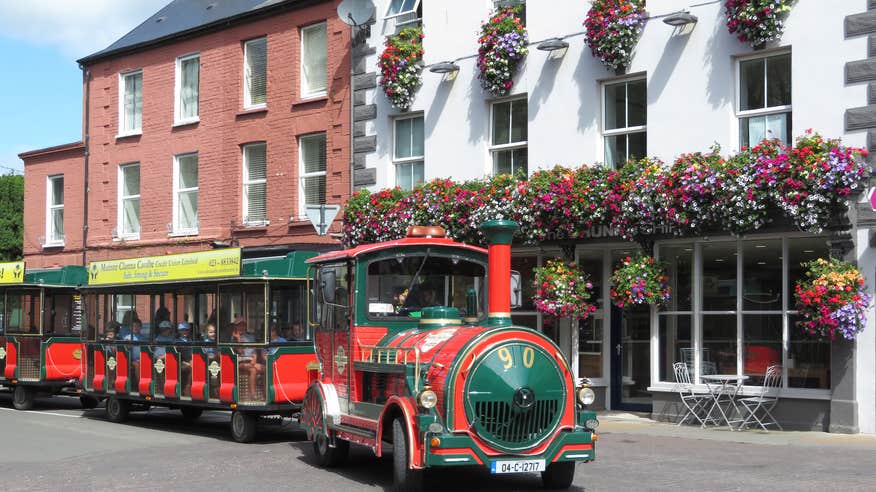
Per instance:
x=365, y=468
x=56, y=402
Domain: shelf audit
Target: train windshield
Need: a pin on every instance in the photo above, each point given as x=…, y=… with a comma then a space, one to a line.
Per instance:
x=400, y=287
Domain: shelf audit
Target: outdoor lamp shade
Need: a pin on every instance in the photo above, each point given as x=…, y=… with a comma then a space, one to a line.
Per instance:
x=553, y=44
x=679, y=19
x=444, y=67
x=555, y=47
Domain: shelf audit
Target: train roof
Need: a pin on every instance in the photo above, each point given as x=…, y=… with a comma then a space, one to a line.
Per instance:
x=399, y=243
x=66, y=276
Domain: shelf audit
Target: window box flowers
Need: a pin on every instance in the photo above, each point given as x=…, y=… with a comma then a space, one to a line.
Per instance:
x=562, y=290
x=503, y=44
x=831, y=300
x=639, y=280
x=401, y=67
x=757, y=21
x=810, y=182
x=613, y=28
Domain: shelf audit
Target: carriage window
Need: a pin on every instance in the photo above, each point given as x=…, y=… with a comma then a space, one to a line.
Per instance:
x=401, y=287
x=334, y=314
x=164, y=318
x=59, y=314
x=22, y=312
x=242, y=314
x=288, y=321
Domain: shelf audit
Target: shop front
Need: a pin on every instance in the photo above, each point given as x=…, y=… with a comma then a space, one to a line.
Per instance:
x=732, y=311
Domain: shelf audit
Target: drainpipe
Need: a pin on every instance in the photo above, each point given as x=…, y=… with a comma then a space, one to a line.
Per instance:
x=86, y=75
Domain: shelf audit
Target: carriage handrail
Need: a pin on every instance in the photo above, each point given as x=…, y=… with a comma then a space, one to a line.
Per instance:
x=375, y=354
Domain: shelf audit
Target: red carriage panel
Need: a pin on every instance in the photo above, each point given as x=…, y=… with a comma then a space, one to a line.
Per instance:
x=121, y=385
x=145, y=372
x=291, y=377
x=11, y=360
x=199, y=377
x=171, y=375
x=62, y=361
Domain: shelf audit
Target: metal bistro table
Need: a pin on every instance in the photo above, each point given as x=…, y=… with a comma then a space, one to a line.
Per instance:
x=723, y=388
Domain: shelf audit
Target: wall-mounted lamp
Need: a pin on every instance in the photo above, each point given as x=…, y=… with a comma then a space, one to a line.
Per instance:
x=446, y=68
x=555, y=47
x=680, y=19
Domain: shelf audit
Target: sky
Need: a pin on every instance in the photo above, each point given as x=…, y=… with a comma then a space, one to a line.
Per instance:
x=40, y=82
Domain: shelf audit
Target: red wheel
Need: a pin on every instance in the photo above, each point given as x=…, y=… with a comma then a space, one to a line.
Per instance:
x=328, y=450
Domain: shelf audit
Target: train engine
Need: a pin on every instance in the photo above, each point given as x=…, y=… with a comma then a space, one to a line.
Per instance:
x=410, y=356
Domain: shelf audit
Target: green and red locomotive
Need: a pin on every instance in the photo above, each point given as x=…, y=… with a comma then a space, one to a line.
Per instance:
x=410, y=356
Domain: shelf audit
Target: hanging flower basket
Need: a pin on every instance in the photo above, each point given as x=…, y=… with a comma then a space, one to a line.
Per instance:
x=400, y=67
x=831, y=300
x=757, y=21
x=613, y=28
x=639, y=280
x=562, y=290
x=503, y=44
x=816, y=177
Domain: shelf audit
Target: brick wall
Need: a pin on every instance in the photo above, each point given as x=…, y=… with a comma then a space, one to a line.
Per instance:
x=217, y=138
x=67, y=160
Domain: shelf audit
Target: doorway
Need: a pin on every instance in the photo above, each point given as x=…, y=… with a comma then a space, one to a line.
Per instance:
x=631, y=358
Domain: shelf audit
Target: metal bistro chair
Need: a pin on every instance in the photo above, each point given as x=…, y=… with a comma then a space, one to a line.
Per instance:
x=695, y=402
x=759, y=408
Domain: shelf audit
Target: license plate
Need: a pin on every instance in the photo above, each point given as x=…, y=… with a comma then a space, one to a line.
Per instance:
x=517, y=466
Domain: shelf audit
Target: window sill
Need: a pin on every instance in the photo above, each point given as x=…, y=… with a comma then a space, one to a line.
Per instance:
x=178, y=124
x=322, y=97
x=798, y=393
x=126, y=238
x=129, y=135
x=254, y=227
x=252, y=110
x=182, y=234
x=53, y=245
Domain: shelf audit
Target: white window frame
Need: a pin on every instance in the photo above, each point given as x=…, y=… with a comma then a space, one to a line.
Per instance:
x=246, y=182
x=306, y=92
x=120, y=215
x=177, y=100
x=247, y=101
x=51, y=239
x=400, y=13
x=302, y=176
x=177, y=190
x=122, y=132
x=767, y=111
x=399, y=161
x=626, y=130
x=509, y=146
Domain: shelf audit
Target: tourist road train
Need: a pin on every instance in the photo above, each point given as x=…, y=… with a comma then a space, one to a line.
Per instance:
x=405, y=345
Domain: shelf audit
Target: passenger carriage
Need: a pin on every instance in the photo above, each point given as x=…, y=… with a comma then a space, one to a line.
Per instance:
x=198, y=331
x=410, y=356
x=40, y=323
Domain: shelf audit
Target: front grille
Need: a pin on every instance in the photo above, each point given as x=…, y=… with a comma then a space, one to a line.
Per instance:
x=506, y=424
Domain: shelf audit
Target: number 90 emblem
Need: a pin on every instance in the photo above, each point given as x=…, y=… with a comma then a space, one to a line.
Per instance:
x=508, y=361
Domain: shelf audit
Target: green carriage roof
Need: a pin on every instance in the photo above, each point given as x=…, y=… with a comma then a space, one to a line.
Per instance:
x=72, y=276
x=290, y=266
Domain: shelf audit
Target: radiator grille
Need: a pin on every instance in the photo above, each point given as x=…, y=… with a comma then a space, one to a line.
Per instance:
x=506, y=424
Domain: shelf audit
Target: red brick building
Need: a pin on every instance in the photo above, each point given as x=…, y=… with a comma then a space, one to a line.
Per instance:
x=211, y=122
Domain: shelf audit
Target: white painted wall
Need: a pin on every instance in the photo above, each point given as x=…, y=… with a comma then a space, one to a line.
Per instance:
x=691, y=84
x=691, y=80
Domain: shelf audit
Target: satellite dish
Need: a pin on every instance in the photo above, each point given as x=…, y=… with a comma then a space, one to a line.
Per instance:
x=356, y=12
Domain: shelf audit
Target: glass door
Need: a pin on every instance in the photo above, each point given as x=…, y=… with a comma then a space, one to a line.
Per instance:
x=630, y=354
x=631, y=359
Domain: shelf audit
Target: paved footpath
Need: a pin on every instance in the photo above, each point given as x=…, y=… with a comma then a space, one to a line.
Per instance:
x=60, y=447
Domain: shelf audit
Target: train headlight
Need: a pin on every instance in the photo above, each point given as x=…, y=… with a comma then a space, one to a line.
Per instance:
x=591, y=424
x=585, y=395
x=427, y=399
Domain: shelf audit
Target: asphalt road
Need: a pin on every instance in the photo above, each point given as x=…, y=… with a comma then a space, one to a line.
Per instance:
x=57, y=446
